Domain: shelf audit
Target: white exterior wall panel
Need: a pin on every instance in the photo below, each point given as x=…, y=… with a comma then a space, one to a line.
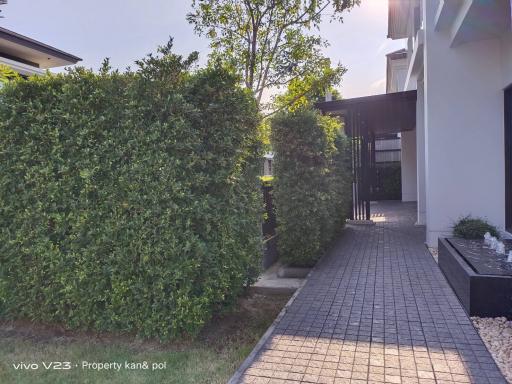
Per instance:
x=420, y=156
x=463, y=130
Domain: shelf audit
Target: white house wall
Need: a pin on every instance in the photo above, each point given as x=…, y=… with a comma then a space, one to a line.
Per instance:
x=506, y=59
x=21, y=68
x=420, y=155
x=398, y=69
x=464, y=155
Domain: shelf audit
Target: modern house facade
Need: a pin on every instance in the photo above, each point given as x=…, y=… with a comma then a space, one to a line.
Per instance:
x=30, y=57
x=449, y=96
x=459, y=59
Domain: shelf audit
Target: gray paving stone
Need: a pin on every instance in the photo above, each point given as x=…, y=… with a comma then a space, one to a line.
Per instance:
x=376, y=309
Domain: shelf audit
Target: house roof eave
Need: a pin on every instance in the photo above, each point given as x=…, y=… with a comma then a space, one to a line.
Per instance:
x=19, y=45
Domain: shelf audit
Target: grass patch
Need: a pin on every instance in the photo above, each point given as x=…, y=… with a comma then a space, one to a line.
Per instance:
x=212, y=358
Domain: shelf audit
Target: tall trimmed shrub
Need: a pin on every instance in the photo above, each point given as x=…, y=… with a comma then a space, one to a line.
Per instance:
x=311, y=183
x=130, y=201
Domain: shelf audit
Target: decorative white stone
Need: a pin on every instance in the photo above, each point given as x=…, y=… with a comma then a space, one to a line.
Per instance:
x=500, y=248
x=497, y=335
x=487, y=238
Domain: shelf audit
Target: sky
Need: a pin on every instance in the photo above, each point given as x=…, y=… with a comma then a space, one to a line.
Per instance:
x=126, y=30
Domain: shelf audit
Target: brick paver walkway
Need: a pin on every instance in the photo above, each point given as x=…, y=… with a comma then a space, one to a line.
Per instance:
x=377, y=309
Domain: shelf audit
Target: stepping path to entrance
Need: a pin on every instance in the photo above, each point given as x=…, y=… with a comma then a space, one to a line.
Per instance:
x=376, y=309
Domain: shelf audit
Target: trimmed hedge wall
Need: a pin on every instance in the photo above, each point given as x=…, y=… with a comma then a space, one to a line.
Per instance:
x=311, y=183
x=130, y=201
x=387, y=182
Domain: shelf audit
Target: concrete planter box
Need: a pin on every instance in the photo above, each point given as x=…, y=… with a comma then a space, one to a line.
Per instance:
x=484, y=295
x=287, y=271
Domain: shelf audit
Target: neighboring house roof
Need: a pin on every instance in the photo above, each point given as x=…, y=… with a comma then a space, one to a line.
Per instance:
x=401, y=54
x=19, y=48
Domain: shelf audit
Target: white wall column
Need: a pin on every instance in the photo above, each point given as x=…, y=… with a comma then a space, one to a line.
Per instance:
x=464, y=155
x=408, y=165
x=420, y=155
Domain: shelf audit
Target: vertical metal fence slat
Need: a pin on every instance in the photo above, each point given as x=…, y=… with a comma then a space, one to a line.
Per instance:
x=363, y=160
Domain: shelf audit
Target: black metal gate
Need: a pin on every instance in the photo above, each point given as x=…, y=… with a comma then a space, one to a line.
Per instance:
x=364, y=118
x=363, y=164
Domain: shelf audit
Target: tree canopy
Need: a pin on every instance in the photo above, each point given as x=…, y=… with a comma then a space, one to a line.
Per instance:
x=270, y=43
x=310, y=89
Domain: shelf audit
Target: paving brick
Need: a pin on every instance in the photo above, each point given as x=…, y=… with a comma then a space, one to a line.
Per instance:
x=376, y=309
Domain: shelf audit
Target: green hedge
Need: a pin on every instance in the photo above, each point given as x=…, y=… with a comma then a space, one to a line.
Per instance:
x=311, y=183
x=474, y=228
x=387, y=182
x=130, y=201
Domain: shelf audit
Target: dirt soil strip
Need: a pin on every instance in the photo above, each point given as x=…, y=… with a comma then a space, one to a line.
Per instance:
x=237, y=376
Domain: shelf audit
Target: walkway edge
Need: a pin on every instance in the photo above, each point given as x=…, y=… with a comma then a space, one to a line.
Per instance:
x=235, y=379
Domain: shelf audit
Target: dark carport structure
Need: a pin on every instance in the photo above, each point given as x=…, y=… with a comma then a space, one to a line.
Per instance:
x=365, y=118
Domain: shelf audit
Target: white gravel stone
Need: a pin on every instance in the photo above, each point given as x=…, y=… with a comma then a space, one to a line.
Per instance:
x=497, y=336
x=433, y=252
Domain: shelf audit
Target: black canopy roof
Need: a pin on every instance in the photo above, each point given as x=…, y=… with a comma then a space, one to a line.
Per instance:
x=379, y=114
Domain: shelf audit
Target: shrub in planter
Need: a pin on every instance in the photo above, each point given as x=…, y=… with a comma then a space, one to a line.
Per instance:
x=130, y=201
x=388, y=182
x=473, y=228
x=311, y=183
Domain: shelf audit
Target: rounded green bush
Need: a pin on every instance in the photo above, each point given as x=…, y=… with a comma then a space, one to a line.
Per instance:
x=130, y=201
x=473, y=228
x=311, y=183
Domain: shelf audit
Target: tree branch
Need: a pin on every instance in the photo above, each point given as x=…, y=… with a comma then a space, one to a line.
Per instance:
x=265, y=42
x=291, y=102
x=267, y=68
x=299, y=21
